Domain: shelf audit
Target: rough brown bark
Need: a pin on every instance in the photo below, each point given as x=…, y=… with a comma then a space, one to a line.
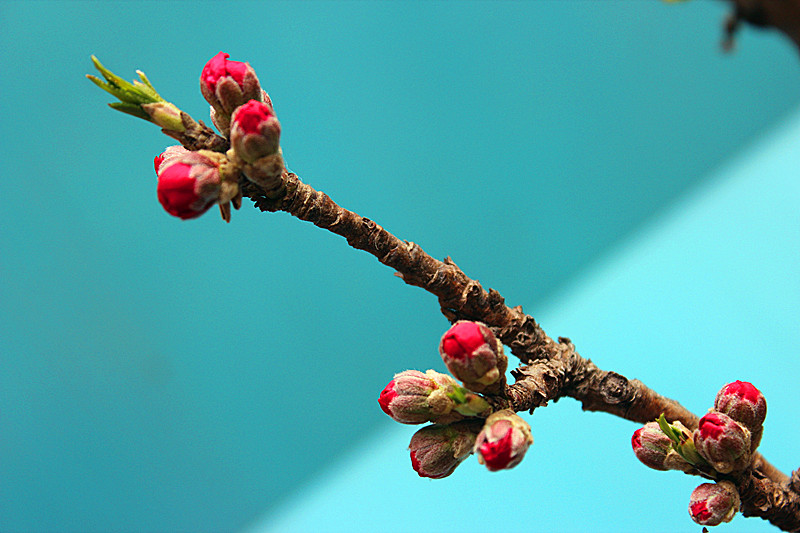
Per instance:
x=775, y=502
x=551, y=369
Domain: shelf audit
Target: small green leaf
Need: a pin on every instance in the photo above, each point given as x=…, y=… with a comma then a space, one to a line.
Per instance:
x=130, y=109
x=458, y=395
x=130, y=95
x=669, y=431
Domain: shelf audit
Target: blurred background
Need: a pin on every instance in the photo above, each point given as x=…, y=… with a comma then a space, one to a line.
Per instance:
x=601, y=163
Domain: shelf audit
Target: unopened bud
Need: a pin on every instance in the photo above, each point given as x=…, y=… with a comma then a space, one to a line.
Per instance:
x=474, y=355
x=437, y=450
x=655, y=449
x=503, y=441
x=414, y=398
x=255, y=131
x=714, y=503
x=723, y=442
x=226, y=85
x=744, y=403
x=188, y=183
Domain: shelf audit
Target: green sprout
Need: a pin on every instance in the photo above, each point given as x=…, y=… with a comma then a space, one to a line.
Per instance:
x=131, y=95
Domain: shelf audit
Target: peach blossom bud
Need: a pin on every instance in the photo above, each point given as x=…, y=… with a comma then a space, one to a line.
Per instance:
x=473, y=354
x=226, y=85
x=255, y=131
x=651, y=445
x=414, y=398
x=723, y=442
x=189, y=183
x=437, y=450
x=714, y=503
x=503, y=441
x=744, y=403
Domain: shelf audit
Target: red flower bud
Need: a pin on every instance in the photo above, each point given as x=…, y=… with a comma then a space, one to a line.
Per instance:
x=651, y=446
x=219, y=67
x=255, y=131
x=744, y=403
x=503, y=441
x=723, y=442
x=226, y=85
x=414, y=398
x=714, y=503
x=188, y=183
x=437, y=450
x=474, y=355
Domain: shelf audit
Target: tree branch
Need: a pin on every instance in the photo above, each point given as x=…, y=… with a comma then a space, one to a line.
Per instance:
x=550, y=370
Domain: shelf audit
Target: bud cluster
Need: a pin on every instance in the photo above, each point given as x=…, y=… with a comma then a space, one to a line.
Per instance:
x=723, y=443
x=189, y=183
x=474, y=356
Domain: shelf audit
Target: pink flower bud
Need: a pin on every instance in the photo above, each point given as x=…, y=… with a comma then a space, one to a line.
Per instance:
x=414, y=398
x=503, y=441
x=226, y=85
x=723, y=442
x=255, y=131
x=714, y=503
x=474, y=355
x=744, y=403
x=188, y=183
x=651, y=446
x=437, y=450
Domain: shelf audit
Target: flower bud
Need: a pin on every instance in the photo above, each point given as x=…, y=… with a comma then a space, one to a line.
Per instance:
x=188, y=183
x=723, y=442
x=744, y=403
x=226, y=85
x=414, y=398
x=474, y=355
x=255, y=131
x=651, y=445
x=654, y=448
x=437, y=450
x=503, y=441
x=714, y=503
x=224, y=123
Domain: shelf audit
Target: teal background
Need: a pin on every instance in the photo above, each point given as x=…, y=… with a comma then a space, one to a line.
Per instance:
x=601, y=163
